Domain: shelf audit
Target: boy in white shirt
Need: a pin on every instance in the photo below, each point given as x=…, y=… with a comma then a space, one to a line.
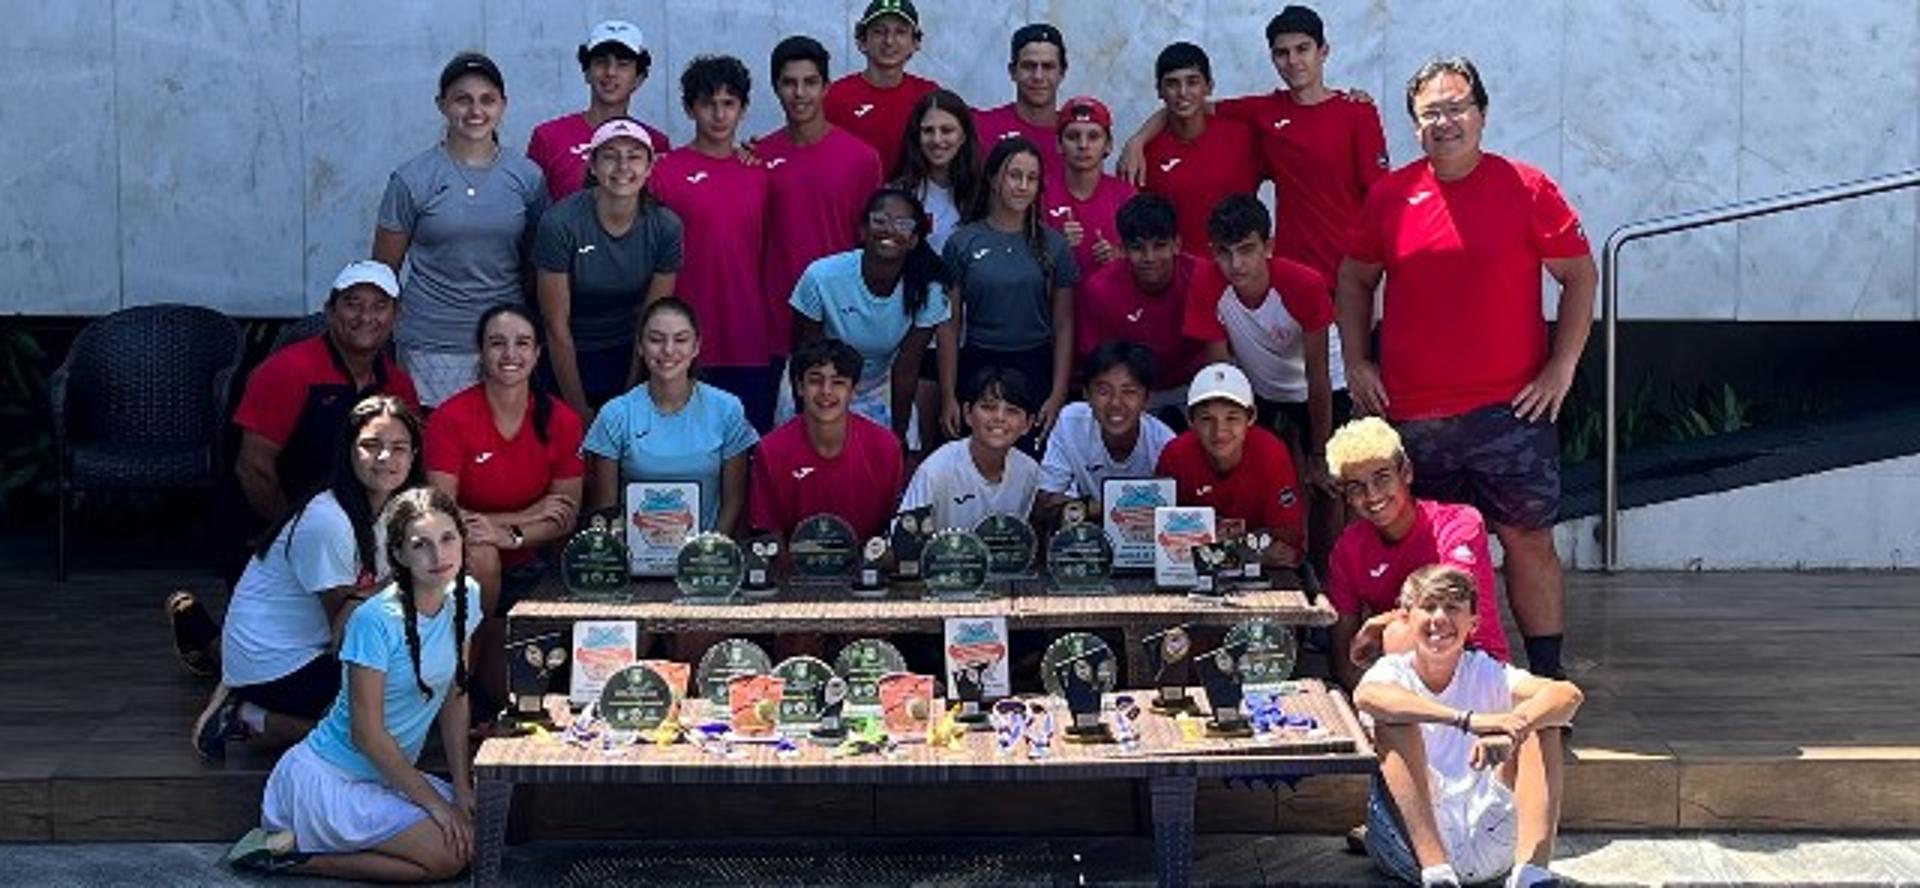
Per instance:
x=1470, y=748
x=1110, y=434
x=966, y=481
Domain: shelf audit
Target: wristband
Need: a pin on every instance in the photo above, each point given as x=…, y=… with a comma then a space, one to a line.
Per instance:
x=513, y=532
x=1464, y=721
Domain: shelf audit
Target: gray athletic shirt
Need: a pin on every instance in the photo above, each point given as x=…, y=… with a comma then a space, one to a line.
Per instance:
x=607, y=276
x=1009, y=307
x=464, y=254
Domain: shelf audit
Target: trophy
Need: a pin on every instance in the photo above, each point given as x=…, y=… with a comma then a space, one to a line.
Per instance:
x=824, y=549
x=723, y=661
x=906, y=704
x=535, y=664
x=709, y=570
x=833, y=702
x=1079, y=555
x=1126, y=723
x=1010, y=546
x=908, y=538
x=761, y=552
x=1167, y=655
x=861, y=664
x=803, y=699
x=869, y=579
x=635, y=699
x=1253, y=551
x=955, y=566
x=1270, y=654
x=754, y=703
x=1209, y=565
x=1220, y=674
x=1080, y=667
x=594, y=563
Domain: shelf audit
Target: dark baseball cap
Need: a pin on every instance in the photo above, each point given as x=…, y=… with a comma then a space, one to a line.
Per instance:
x=1038, y=32
x=901, y=8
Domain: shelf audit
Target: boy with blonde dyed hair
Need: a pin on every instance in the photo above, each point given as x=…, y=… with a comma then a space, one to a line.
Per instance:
x=1470, y=748
x=1397, y=536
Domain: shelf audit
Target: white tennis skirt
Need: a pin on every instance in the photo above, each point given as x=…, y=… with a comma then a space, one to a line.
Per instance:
x=333, y=812
x=438, y=376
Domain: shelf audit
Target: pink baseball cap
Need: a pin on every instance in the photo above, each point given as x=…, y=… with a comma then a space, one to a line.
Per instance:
x=620, y=128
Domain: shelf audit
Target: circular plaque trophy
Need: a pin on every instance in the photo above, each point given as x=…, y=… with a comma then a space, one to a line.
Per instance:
x=635, y=699
x=594, y=563
x=803, y=697
x=1080, y=560
x=1010, y=545
x=824, y=549
x=955, y=565
x=1081, y=668
x=723, y=661
x=1270, y=652
x=862, y=663
x=709, y=569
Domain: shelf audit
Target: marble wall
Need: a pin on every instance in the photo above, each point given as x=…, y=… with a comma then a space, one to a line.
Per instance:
x=232, y=152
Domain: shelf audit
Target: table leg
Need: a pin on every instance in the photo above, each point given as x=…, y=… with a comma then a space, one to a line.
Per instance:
x=490, y=830
x=1135, y=655
x=1172, y=811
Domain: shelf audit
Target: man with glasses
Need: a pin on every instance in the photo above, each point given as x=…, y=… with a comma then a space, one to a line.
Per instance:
x=1466, y=368
x=1398, y=535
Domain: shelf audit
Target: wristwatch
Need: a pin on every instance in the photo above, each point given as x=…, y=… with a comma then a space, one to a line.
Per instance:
x=513, y=532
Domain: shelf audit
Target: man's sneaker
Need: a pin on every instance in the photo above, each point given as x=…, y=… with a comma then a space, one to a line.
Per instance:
x=266, y=851
x=217, y=724
x=1357, y=839
x=194, y=634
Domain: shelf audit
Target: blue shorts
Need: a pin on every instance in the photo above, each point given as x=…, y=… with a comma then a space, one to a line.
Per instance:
x=1490, y=459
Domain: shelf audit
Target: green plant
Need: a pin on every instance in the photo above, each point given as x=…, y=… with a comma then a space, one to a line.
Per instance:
x=1710, y=413
x=26, y=444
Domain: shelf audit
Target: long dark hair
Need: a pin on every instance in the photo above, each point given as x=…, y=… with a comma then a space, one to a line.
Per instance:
x=963, y=174
x=345, y=485
x=658, y=306
x=1030, y=226
x=923, y=267
x=542, y=399
x=407, y=507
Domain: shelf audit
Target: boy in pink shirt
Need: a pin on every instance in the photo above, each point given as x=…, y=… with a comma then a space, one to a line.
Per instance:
x=1080, y=198
x=819, y=179
x=615, y=62
x=1036, y=66
x=722, y=204
x=875, y=104
x=827, y=460
x=1400, y=534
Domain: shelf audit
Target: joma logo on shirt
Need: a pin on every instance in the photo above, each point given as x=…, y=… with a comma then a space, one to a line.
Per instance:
x=863, y=109
x=1419, y=198
x=482, y=457
x=771, y=164
x=697, y=178
x=1203, y=490
x=1135, y=315
x=1170, y=164
x=962, y=499
x=802, y=472
x=1057, y=212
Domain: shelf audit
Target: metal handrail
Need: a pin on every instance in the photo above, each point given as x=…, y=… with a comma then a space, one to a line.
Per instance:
x=1610, y=286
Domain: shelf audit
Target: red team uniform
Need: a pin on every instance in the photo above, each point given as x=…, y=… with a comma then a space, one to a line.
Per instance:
x=1195, y=175
x=1367, y=571
x=814, y=197
x=496, y=473
x=876, y=116
x=1322, y=158
x=1263, y=490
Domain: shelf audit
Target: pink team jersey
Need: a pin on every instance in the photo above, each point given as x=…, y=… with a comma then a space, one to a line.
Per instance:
x=1111, y=306
x=1004, y=122
x=1322, y=158
x=722, y=204
x=1366, y=571
x=559, y=148
x=1195, y=175
x=876, y=116
x=1462, y=260
x=815, y=195
x=792, y=483
x=1095, y=214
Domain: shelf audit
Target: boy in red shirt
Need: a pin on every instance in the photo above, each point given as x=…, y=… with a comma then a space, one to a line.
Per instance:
x=1080, y=198
x=828, y=459
x=875, y=104
x=615, y=62
x=1036, y=65
x=1400, y=534
x=1197, y=159
x=1144, y=299
x=1228, y=462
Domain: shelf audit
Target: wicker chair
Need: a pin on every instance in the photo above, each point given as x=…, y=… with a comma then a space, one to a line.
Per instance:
x=140, y=401
x=300, y=328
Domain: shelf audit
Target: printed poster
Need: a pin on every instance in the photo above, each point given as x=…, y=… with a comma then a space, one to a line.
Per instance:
x=600, y=649
x=976, y=649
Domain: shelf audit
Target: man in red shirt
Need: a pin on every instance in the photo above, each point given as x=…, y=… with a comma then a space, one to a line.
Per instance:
x=1081, y=199
x=1228, y=462
x=1037, y=65
x=1400, y=534
x=1466, y=369
x=819, y=178
x=297, y=400
x=615, y=62
x=1143, y=299
x=1197, y=159
x=874, y=104
x=828, y=460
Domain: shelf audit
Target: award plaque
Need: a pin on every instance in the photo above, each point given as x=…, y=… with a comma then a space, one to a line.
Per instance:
x=862, y=663
x=824, y=550
x=754, y=704
x=1080, y=560
x=661, y=515
x=1010, y=546
x=723, y=661
x=833, y=704
x=1081, y=668
x=1169, y=656
x=1270, y=653
x=955, y=566
x=1221, y=675
x=636, y=699
x=594, y=563
x=709, y=570
x=870, y=578
x=1176, y=531
x=803, y=697
x=906, y=704
x=1209, y=569
x=533, y=664
x=1127, y=506
x=907, y=539
x=1253, y=551
x=761, y=552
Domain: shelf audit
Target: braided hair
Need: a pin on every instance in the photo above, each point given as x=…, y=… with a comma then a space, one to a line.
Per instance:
x=405, y=509
x=346, y=487
x=1036, y=233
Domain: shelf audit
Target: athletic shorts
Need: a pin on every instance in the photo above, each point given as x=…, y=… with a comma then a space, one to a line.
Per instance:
x=1490, y=459
x=307, y=692
x=438, y=376
x=1479, y=833
x=1290, y=419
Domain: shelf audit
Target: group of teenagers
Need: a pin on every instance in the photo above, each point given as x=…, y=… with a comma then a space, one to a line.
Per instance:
x=896, y=302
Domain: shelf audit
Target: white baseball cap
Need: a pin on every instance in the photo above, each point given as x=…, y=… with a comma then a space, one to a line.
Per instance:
x=1222, y=380
x=620, y=128
x=625, y=33
x=367, y=271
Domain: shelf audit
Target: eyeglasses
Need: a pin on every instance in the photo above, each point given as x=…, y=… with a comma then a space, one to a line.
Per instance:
x=1433, y=114
x=890, y=222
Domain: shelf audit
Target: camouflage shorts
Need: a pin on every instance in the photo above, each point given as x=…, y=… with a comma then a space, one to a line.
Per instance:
x=1490, y=459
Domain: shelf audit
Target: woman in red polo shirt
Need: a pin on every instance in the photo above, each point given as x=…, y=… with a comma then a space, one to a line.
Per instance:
x=509, y=454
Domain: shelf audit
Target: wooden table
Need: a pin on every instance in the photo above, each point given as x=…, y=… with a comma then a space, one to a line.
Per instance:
x=1167, y=764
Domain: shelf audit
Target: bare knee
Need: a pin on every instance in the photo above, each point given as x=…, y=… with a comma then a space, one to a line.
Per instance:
x=442, y=864
x=1527, y=543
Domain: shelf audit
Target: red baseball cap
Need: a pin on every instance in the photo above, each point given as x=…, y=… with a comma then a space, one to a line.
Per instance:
x=1085, y=109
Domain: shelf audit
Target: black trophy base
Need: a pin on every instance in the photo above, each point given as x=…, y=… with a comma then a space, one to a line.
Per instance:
x=869, y=593
x=1087, y=590
x=1091, y=734
x=976, y=721
x=1165, y=704
x=1234, y=729
x=828, y=736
